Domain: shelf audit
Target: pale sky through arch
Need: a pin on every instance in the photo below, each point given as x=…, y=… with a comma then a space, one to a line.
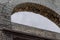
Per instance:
x=34, y=20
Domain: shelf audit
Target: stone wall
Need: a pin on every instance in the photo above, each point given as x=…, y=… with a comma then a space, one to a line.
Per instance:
x=34, y=31
x=6, y=7
x=53, y=4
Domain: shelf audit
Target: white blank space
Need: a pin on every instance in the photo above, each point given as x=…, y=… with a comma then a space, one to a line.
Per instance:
x=34, y=20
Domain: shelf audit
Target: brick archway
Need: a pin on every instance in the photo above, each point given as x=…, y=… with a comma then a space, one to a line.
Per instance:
x=39, y=9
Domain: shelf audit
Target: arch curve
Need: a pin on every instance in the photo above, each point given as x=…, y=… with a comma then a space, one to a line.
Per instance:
x=39, y=9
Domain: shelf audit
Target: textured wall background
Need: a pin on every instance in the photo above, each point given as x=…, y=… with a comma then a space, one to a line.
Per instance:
x=8, y=5
x=53, y=4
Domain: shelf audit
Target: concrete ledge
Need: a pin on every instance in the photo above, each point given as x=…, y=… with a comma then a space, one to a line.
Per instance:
x=34, y=31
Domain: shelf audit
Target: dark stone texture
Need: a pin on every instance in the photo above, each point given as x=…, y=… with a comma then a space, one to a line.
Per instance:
x=34, y=31
x=7, y=9
x=39, y=9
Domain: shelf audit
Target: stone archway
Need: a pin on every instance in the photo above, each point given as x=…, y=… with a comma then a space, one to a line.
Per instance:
x=39, y=9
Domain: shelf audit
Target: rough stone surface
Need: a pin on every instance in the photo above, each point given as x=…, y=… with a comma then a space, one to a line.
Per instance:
x=6, y=8
x=39, y=9
x=53, y=4
x=36, y=32
x=0, y=35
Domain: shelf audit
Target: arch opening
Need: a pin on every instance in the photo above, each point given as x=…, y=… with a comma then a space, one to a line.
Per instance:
x=34, y=20
x=38, y=9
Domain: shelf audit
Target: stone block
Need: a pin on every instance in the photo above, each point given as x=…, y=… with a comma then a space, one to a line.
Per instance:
x=50, y=35
x=58, y=36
